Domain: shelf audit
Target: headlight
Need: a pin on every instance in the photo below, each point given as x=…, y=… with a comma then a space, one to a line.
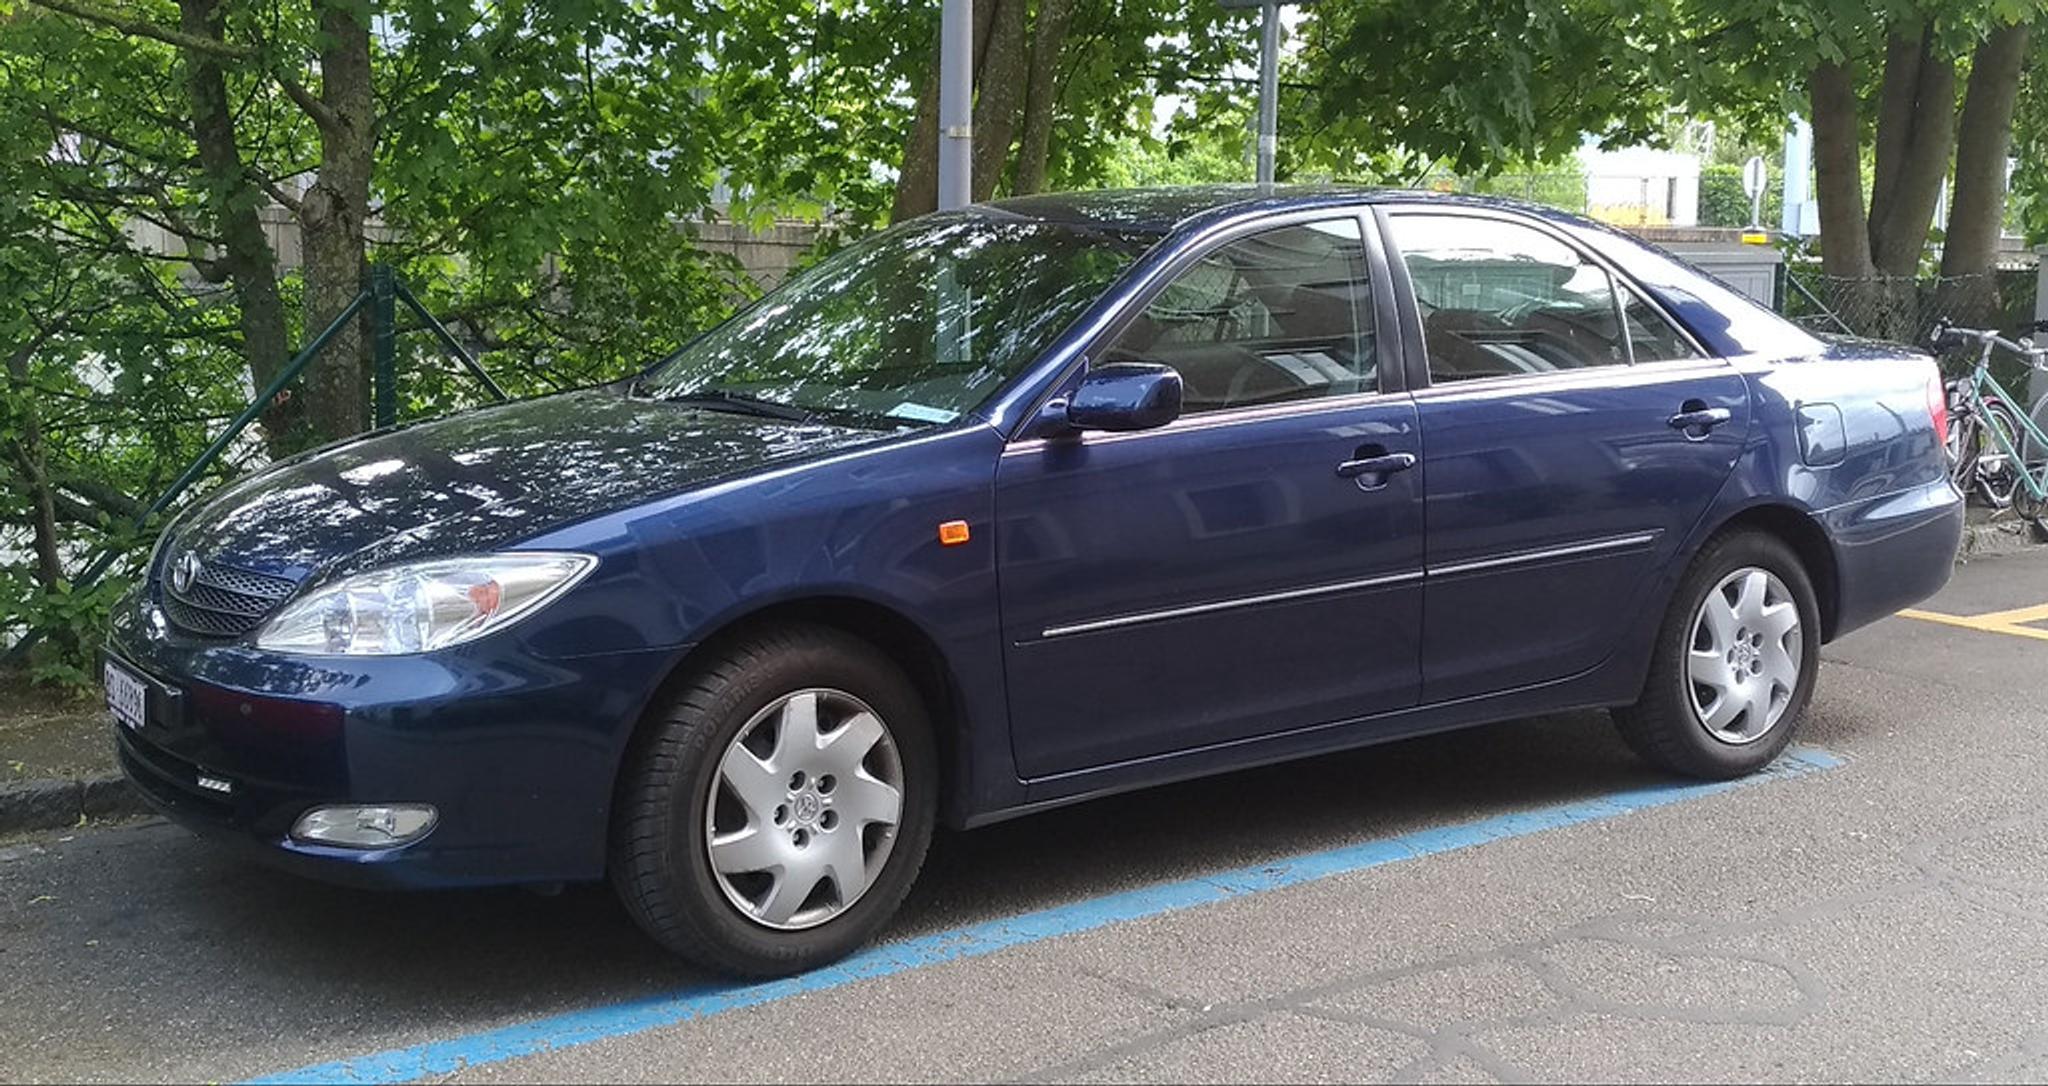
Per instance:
x=424, y=606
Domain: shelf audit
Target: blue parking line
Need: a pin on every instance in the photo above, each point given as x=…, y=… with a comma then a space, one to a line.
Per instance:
x=978, y=940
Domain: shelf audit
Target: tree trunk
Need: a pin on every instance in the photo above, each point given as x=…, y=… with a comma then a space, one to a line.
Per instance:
x=1976, y=213
x=1041, y=95
x=1000, y=78
x=1838, y=187
x=232, y=201
x=332, y=216
x=1916, y=127
x=28, y=454
x=1900, y=88
x=917, y=180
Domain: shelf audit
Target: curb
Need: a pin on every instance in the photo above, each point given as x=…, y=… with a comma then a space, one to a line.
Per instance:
x=61, y=804
x=1989, y=538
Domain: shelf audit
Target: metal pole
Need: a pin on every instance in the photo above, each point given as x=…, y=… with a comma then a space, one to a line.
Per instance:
x=448, y=342
x=956, y=104
x=1269, y=88
x=384, y=341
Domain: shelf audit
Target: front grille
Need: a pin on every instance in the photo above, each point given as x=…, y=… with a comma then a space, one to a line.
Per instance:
x=222, y=601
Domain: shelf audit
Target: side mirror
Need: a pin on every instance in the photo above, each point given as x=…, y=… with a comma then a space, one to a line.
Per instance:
x=1126, y=396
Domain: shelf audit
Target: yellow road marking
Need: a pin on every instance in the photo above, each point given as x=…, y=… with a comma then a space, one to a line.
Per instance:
x=2016, y=616
x=2000, y=622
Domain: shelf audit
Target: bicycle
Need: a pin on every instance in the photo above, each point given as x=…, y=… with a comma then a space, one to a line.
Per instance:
x=1992, y=448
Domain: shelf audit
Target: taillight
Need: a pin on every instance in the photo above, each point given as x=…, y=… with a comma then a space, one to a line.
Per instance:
x=1937, y=406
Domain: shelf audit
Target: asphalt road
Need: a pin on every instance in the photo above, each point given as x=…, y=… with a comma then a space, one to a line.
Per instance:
x=1881, y=915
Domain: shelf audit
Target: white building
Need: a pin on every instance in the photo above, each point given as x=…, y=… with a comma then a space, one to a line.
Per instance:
x=1640, y=186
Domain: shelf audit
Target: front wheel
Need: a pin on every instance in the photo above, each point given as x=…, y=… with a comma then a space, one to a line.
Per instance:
x=1734, y=662
x=775, y=812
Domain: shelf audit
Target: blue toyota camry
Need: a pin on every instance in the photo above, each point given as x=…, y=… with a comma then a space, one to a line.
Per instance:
x=1020, y=505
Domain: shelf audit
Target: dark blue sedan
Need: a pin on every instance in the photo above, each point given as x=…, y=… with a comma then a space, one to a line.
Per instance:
x=1020, y=505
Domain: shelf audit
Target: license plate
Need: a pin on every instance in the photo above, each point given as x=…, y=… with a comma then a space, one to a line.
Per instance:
x=127, y=696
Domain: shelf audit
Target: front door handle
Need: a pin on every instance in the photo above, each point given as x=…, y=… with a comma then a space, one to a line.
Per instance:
x=1372, y=471
x=1697, y=419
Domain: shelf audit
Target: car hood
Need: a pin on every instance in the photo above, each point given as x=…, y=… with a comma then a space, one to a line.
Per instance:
x=485, y=478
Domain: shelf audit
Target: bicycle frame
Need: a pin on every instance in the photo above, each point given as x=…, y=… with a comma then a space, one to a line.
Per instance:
x=2033, y=476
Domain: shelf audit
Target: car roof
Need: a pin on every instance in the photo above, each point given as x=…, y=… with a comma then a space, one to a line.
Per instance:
x=1167, y=209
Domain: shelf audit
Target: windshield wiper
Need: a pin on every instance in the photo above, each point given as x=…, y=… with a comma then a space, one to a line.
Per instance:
x=738, y=403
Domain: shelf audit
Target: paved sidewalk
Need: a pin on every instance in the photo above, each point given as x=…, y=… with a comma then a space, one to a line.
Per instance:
x=56, y=761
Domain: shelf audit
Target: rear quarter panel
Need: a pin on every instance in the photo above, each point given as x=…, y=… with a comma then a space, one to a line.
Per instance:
x=1846, y=436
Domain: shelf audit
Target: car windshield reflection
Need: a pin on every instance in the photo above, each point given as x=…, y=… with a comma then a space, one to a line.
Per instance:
x=914, y=327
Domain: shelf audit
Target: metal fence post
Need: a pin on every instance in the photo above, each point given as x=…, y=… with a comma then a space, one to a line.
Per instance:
x=384, y=338
x=2037, y=382
x=2041, y=284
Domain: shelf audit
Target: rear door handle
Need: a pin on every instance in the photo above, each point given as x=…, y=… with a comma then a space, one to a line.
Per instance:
x=1697, y=421
x=1372, y=471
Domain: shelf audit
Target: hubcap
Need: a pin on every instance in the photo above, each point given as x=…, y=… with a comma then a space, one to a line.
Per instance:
x=804, y=811
x=1743, y=662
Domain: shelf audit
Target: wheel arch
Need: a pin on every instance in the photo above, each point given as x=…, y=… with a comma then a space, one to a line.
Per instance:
x=1798, y=530
x=899, y=638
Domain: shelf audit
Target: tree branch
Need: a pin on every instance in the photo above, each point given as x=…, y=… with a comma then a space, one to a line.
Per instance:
x=143, y=28
x=305, y=100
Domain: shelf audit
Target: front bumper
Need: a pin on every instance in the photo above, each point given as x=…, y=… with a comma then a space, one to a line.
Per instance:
x=517, y=752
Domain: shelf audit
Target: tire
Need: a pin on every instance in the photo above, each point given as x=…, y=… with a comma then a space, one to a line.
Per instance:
x=678, y=789
x=1998, y=480
x=2033, y=511
x=2030, y=509
x=1669, y=726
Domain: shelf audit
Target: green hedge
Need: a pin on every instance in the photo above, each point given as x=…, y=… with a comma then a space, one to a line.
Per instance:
x=1723, y=204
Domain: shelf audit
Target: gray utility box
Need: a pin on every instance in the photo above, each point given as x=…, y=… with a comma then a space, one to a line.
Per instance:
x=1721, y=253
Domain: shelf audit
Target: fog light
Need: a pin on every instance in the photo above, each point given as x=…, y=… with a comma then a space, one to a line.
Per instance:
x=369, y=826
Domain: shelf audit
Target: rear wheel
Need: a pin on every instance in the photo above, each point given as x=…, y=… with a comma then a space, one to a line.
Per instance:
x=778, y=808
x=1734, y=662
x=1998, y=473
x=2031, y=509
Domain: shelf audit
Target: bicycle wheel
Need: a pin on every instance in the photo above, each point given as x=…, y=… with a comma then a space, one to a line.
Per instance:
x=2033, y=510
x=2031, y=448
x=1994, y=470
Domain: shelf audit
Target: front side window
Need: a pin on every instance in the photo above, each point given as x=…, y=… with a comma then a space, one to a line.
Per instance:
x=1281, y=315
x=1499, y=299
x=915, y=326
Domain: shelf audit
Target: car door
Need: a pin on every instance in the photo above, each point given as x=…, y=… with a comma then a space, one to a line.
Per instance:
x=1574, y=435
x=1219, y=578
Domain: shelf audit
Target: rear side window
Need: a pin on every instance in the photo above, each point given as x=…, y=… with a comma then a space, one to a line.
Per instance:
x=1498, y=299
x=1281, y=315
x=1652, y=338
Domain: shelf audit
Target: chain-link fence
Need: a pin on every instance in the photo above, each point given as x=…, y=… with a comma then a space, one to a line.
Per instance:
x=1905, y=309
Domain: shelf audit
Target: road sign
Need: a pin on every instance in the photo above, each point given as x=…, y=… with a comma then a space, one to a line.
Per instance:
x=1753, y=177
x=1753, y=180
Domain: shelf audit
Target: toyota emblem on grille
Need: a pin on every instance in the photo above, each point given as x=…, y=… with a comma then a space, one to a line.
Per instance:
x=185, y=572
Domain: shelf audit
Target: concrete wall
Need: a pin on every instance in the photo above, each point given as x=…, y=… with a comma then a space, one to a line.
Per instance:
x=767, y=255
x=770, y=254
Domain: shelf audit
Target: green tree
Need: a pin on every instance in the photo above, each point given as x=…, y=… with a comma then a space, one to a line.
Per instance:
x=2030, y=147
x=1486, y=82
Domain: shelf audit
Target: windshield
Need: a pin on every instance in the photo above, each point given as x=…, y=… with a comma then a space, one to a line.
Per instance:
x=915, y=326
